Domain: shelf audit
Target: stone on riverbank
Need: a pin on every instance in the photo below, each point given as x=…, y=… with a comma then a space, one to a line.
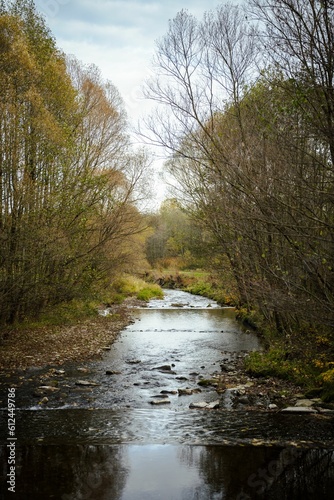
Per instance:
x=86, y=383
x=203, y=405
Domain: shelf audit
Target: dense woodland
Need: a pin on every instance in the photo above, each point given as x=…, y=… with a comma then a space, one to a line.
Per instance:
x=245, y=114
x=246, y=110
x=69, y=179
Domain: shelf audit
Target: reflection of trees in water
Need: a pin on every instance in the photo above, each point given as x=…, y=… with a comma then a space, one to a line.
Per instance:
x=226, y=469
x=78, y=472
x=310, y=476
x=263, y=473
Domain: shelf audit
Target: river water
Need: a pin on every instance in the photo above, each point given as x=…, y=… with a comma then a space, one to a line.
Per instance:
x=111, y=440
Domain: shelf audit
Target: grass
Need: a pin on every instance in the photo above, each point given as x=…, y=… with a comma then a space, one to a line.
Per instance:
x=314, y=377
x=70, y=313
x=67, y=313
x=198, y=282
x=131, y=286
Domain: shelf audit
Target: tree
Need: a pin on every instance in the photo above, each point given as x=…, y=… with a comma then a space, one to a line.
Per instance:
x=69, y=178
x=298, y=37
x=249, y=155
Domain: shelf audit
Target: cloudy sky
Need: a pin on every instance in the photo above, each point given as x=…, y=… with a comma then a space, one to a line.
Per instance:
x=116, y=35
x=119, y=37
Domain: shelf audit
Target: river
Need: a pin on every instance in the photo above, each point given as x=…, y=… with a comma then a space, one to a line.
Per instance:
x=123, y=427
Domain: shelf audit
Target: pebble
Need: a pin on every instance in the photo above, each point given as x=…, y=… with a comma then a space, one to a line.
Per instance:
x=86, y=383
x=48, y=388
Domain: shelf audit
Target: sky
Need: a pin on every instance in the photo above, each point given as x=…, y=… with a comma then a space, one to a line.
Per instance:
x=119, y=37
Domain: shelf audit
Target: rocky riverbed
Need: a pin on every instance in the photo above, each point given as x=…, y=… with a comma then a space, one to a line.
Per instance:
x=70, y=367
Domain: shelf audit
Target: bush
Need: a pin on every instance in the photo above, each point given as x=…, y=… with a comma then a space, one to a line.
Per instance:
x=150, y=292
x=327, y=378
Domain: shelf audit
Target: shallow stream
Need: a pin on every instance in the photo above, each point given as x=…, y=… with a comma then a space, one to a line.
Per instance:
x=119, y=428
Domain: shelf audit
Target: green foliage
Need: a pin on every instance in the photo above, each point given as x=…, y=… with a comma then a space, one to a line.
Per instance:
x=327, y=379
x=176, y=240
x=201, y=283
x=67, y=313
x=149, y=292
x=276, y=363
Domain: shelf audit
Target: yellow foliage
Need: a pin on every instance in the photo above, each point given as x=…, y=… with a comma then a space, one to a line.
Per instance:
x=328, y=376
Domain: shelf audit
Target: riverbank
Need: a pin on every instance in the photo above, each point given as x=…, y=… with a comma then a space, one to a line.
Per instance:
x=41, y=346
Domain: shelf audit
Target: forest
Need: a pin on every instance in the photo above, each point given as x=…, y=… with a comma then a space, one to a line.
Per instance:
x=245, y=115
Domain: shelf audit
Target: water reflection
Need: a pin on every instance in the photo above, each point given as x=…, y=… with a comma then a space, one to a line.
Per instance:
x=151, y=472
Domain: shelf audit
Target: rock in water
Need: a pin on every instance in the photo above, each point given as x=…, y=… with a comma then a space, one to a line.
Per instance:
x=162, y=401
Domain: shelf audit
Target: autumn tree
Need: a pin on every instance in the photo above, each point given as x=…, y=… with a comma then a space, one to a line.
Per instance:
x=175, y=238
x=69, y=177
x=250, y=152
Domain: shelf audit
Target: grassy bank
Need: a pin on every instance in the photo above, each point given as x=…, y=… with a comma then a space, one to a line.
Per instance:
x=73, y=331
x=74, y=311
x=197, y=282
x=304, y=357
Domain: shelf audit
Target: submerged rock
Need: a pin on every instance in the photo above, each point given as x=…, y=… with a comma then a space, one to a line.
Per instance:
x=83, y=370
x=165, y=368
